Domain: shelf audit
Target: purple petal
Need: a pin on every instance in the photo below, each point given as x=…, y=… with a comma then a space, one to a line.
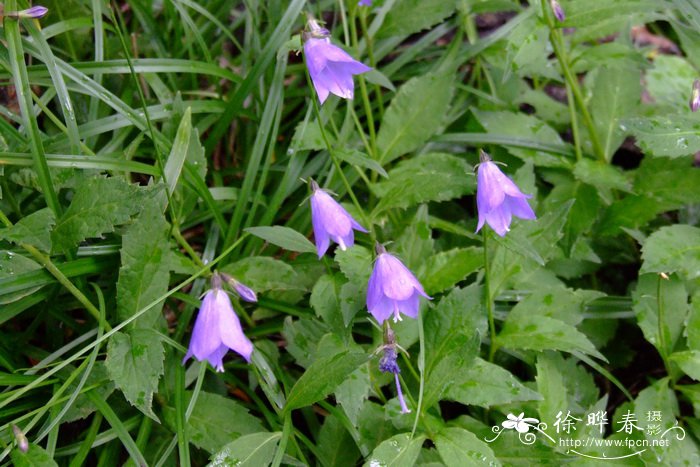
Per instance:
x=216, y=358
x=245, y=292
x=365, y=3
x=334, y=218
x=33, y=12
x=205, y=335
x=489, y=193
x=397, y=282
x=337, y=81
x=331, y=68
x=232, y=334
x=374, y=289
x=383, y=309
x=399, y=393
x=520, y=208
x=499, y=220
x=320, y=235
x=409, y=307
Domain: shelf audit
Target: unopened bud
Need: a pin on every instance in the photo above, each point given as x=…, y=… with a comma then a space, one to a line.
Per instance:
x=557, y=10
x=22, y=441
x=695, y=96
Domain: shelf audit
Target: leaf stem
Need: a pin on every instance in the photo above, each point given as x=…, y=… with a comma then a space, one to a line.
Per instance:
x=493, y=345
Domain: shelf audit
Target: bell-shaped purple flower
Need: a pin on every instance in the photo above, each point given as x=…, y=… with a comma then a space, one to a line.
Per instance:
x=498, y=198
x=331, y=221
x=331, y=68
x=392, y=289
x=33, y=12
x=217, y=329
x=695, y=96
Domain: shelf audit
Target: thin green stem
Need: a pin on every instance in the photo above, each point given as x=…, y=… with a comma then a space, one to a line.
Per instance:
x=574, y=122
x=421, y=368
x=186, y=246
x=663, y=349
x=493, y=345
x=286, y=433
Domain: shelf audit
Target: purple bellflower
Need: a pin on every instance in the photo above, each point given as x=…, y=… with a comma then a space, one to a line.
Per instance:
x=33, y=12
x=388, y=364
x=498, y=198
x=331, y=221
x=365, y=3
x=392, y=288
x=695, y=96
x=557, y=10
x=331, y=68
x=217, y=329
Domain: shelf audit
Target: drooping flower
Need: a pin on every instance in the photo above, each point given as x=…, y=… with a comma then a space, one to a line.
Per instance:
x=520, y=423
x=365, y=3
x=498, y=198
x=331, y=68
x=557, y=10
x=392, y=288
x=695, y=96
x=217, y=329
x=388, y=364
x=33, y=12
x=331, y=221
x=243, y=291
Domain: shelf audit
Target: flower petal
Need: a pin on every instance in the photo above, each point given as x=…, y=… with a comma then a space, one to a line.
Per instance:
x=519, y=207
x=205, y=335
x=397, y=281
x=499, y=220
x=383, y=309
x=232, y=334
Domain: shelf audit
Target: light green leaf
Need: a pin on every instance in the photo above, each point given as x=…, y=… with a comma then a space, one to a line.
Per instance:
x=322, y=377
x=397, y=451
x=597, y=18
x=674, y=248
x=178, y=152
x=443, y=270
x=604, y=177
x=668, y=81
x=253, y=450
x=360, y=159
x=262, y=273
x=410, y=16
x=135, y=364
x=355, y=263
x=12, y=265
x=429, y=177
x=324, y=301
x=35, y=230
x=36, y=456
x=98, y=205
x=284, y=237
x=666, y=136
x=404, y=127
x=144, y=275
x=460, y=448
x=689, y=361
x=353, y=392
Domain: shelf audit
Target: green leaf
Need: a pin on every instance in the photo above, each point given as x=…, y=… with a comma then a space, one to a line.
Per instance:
x=398, y=451
x=445, y=269
x=668, y=82
x=485, y=384
x=429, y=177
x=360, y=159
x=416, y=241
x=322, y=377
x=324, y=301
x=674, y=306
x=251, y=450
x=262, y=273
x=135, y=364
x=692, y=329
x=35, y=230
x=404, y=126
x=604, y=177
x=144, y=275
x=459, y=448
x=526, y=50
x=178, y=153
x=216, y=421
x=353, y=392
x=12, y=265
x=543, y=333
x=597, y=18
x=616, y=93
x=674, y=248
x=98, y=205
x=336, y=448
x=689, y=361
x=666, y=136
x=409, y=16
x=356, y=264
x=284, y=237
x=36, y=456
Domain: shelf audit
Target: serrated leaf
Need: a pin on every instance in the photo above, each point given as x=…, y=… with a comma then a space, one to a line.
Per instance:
x=144, y=274
x=253, y=450
x=353, y=392
x=35, y=230
x=135, y=364
x=283, y=237
x=445, y=269
x=666, y=136
x=410, y=16
x=667, y=81
x=689, y=361
x=324, y=301
x=98, y=206
x=398, y=451
x=674, y=248
x=604, y=177
x=459, y=448
x=322, y=377
x=429, y=177
x=485, y=384
x=360, y=159
x=404, y=127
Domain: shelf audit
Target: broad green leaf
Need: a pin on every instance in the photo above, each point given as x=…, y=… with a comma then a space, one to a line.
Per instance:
x=98, y=206
x=692, y=329
x=410, y=16
x=352, y=300
x=336, y=448
x=178, y=153
x=416, y=242
x=429, y=177
x=322, y=377
x=674, y=248
x=604, y=177
x=135, y=364
x=666, y=136
x=253, y=450
x=216, y=421
x=11, y=265
x=308, y=137
x=544, y=333
x=689, y=361
x=35, y=230
x=325, y=302
x=524, y=126
x=404, y=127
x=284, y=237
x=616, y=93
x=262, y=273
x=526, y=50
x=445, y=269
x=485, y=384
x=144, y=275
x=355, y=263
x=597, y=18
x=353, y=392
x=83, y=406
x=556, y=302
x=36, y=456
x=302, y=337
x=674, y=309
x=360, y=159
x=397, y=451
x=668, y=82
x=459, y=448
